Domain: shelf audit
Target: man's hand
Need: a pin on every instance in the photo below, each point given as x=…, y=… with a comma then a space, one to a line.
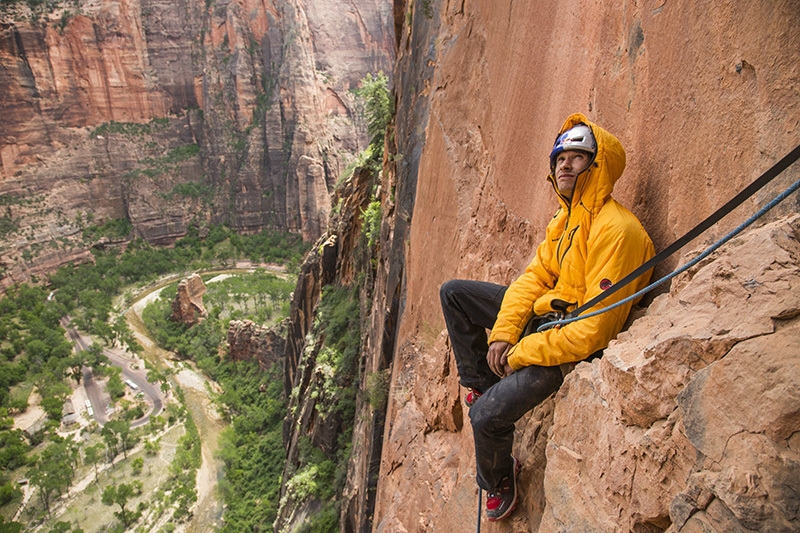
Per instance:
x=497, y=357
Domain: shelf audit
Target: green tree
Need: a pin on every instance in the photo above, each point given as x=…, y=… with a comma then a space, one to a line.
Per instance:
x=115, y=386
x=51, y=474
x=13, y=449
x=121, y=430
x=8, y=492
x=92, y=455
x=61, y=527
x=122, y=333
x=371, y=227
x=136, y=465
x=152, y=447
x=38, y=351
x=6, y=422
x=112, y=441
x=53, y=407
x=374, y=92
x=74, y=363
x=52, y=386
x=156, y=423
x=95, y=358
x=9, y=527
x=119, y=495
x=66, y=451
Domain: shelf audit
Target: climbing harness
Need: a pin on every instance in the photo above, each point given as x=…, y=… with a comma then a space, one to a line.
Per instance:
x=715, y=217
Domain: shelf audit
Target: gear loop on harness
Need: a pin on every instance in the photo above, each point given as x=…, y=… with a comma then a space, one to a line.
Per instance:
x=765, y=178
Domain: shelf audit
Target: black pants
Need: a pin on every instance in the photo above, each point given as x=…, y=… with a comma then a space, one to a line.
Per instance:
x=470, y=308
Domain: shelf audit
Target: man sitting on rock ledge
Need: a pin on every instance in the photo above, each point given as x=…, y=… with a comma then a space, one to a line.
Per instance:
x=590, y=244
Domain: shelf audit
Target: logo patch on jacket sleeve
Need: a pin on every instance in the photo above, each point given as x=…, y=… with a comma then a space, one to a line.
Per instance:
x=605, y=284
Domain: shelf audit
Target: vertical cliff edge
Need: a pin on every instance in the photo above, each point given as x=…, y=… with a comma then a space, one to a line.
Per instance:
x=690, y=421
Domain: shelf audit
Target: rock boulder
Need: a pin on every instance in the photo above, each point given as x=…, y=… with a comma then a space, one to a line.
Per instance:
x=249, y=341
x=187, y=307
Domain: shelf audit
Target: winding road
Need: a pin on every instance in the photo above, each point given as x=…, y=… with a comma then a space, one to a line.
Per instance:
x=99, y=398
x=208, y=510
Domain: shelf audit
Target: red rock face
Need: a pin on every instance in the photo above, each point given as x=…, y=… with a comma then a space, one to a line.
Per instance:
x=187, y=307
x=96, y=106
x=93, y=70
x=704, y=98
x=248, y=341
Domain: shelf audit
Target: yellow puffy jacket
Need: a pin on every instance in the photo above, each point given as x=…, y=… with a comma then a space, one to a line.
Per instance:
x=591, y=243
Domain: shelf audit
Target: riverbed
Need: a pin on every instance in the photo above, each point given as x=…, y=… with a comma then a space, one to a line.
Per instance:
x=198, y=392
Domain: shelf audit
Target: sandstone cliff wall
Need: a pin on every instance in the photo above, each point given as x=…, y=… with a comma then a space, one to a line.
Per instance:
x=315, y=414
x=655, y=436
x=176, y=113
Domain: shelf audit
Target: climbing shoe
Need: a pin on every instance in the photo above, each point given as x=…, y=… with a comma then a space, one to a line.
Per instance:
x=503, y=500
x=472, y=397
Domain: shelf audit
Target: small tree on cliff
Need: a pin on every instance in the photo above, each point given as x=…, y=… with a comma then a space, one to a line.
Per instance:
x=375, y=106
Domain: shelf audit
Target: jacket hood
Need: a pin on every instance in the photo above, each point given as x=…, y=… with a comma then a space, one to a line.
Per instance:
x=594, y=186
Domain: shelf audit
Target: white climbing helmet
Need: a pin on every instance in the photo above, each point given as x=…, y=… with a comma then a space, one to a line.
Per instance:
x=578, y=137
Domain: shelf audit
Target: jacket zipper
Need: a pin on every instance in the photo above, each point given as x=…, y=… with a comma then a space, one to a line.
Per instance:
x=569, y=217
x=571, y=238
x=564, y=232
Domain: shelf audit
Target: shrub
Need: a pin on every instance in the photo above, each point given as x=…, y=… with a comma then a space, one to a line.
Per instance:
x=372, y=222
x=374, y=92
x=378, y=389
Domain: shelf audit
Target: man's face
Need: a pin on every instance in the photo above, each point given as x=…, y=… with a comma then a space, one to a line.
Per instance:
x=569, y=164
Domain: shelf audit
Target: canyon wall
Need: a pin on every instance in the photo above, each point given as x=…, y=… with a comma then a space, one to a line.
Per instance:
x=327, y=397
x=177, y=114
x=690, y=421
x=188, y=113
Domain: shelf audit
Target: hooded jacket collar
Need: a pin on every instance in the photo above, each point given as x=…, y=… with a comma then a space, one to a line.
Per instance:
x=594, y=185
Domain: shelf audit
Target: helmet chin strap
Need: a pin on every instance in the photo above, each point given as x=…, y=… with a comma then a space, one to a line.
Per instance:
x=577, y=179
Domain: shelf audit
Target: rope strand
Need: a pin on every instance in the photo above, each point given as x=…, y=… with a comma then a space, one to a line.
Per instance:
x=708, y=251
